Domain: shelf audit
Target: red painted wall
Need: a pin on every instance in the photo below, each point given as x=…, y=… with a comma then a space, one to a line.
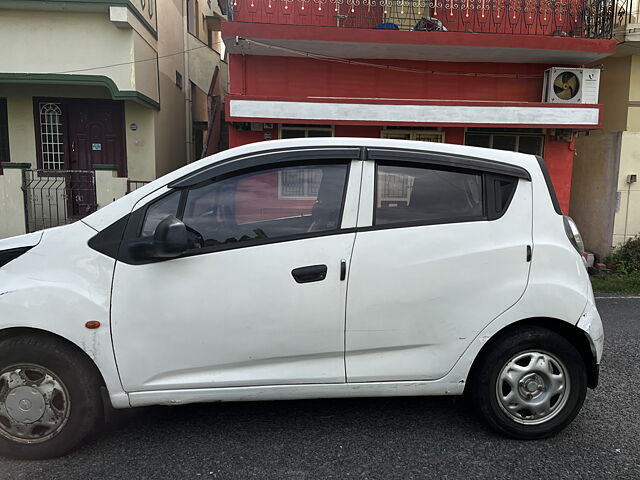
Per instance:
x=454, y=135
x=357, y=131
x=298, y=78
x=559, y=159
x=242, y=137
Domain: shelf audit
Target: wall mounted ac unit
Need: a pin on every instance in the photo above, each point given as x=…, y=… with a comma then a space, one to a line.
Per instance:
x=571, y=85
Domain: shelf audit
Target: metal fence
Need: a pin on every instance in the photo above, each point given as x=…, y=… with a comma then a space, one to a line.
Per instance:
x=57, y=197
x=565, y=18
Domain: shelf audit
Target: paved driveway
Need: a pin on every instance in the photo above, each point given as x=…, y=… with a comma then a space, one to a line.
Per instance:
x=370, y=438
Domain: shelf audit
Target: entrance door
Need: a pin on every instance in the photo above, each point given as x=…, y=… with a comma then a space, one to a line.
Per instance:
x=446, y=255
x=96, y=137
x=259, y=300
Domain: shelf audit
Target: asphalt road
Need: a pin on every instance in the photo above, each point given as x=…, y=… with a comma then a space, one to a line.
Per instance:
x=369, y=438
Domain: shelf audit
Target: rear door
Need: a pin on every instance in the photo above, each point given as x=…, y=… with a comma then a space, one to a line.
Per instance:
x=441, y=250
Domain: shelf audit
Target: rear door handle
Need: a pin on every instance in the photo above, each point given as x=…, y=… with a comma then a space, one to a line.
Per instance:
x=312, y=273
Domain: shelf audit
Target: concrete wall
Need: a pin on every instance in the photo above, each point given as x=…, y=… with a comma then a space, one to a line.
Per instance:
x=614, y=92
x=141, y=142
x=627, y=217
x=593, y=188
x=170, y=121
x=26, y=44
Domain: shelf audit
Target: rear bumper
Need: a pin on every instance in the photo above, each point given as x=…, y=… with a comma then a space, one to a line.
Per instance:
x=591, y=324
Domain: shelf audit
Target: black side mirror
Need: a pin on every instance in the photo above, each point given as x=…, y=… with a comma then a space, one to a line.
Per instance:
x=170, y=240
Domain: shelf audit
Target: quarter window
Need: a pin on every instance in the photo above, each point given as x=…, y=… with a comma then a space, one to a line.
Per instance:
x=415, y=195
x=163, y=208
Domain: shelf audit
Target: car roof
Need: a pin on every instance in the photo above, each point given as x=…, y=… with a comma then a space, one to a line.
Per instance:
x=110, y=213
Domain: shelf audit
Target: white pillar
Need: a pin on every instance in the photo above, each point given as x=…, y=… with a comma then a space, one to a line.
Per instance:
x=12, y=208
x=109, y=187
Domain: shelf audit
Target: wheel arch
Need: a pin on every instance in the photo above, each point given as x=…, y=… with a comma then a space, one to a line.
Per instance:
x=12, y=332
x=571, y=333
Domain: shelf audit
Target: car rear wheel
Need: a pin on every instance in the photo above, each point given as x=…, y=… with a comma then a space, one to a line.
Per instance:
x=49, y=398
x=530, y=384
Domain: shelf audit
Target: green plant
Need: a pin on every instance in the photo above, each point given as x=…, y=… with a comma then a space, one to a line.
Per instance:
x=627, y=256
x=617, y=282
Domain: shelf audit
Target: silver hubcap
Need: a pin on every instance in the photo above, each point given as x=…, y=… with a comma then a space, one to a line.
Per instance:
x=34, y=403
x=533, y=387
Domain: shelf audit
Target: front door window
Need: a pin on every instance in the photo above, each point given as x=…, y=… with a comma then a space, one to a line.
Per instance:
x=252, y=207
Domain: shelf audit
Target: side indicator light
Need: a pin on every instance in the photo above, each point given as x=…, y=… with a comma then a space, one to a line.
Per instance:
x=92, y=324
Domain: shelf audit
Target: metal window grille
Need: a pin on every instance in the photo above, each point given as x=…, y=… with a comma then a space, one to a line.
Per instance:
x=135, y=184
x=421, y=135
x=505, y=139
x=394, y=187
x=300, y=183
x=51, y=136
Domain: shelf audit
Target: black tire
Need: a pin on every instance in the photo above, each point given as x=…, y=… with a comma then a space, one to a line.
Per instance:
x=73, y=371
x=483, y=392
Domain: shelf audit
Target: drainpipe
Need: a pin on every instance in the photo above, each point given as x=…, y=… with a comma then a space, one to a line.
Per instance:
x=186, y=87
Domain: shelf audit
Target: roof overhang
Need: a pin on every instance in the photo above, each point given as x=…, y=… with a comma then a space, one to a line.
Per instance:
x=413, y=112
x=412, y=45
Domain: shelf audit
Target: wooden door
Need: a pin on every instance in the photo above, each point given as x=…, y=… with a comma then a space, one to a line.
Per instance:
x=96, y=135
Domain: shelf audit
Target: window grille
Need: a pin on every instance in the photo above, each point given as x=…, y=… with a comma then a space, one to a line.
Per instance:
x=52, y=136
x=300, y=183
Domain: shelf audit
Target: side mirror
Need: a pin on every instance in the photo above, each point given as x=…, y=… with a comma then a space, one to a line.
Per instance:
x=170, y=240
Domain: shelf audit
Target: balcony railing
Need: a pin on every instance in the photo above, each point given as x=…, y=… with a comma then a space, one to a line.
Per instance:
x=563, y=18
x=628, y=13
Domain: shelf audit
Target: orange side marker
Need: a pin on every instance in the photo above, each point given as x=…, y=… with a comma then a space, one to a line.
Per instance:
x=92, y=324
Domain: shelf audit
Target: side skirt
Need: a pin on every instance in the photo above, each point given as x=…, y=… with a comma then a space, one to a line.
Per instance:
x=294, y=392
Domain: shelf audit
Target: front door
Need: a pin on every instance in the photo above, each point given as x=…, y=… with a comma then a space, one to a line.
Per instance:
x=96, y=138
x=445, y=253
x=260, y=300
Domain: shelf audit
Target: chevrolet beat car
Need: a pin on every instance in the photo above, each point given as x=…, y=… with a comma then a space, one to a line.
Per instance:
x=309, y=268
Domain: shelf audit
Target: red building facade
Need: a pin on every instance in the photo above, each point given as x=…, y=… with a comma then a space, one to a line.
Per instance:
x=465, y=72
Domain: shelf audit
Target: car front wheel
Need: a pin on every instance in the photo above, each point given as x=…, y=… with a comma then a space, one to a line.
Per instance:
x=531, y=384
x=49, y=398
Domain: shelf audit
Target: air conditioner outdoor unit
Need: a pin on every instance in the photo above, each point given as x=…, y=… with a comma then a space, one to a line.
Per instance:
x=571, y=85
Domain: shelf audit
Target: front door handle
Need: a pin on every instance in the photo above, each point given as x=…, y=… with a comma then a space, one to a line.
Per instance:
x=312, y=273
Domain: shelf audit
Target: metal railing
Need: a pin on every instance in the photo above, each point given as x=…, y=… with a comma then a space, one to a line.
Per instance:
x=564, y=18
x=628, y=13
x=57, y=197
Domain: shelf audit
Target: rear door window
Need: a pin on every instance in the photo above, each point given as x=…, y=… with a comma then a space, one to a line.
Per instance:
x=407, y=195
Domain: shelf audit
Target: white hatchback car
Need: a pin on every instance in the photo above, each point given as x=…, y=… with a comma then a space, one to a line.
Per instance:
x=340, y=267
